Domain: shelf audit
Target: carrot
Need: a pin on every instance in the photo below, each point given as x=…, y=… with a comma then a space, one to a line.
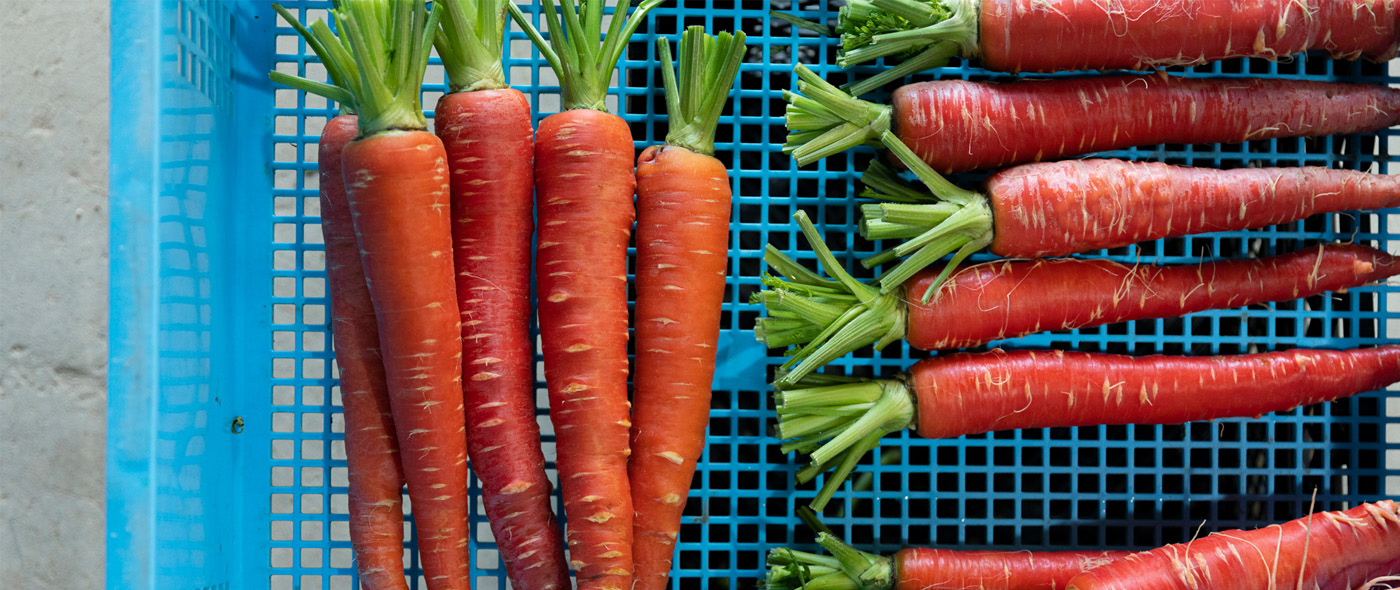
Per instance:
x=962, y=394
x=486, y=129
x=1058, y=35
x=683, y=204
x=1059, y=208
x=375, y=477
x=396, y=177
x=584, y=184
x=1356, y=549
x=1009, y=299
x=955, y=125
x=921, y=568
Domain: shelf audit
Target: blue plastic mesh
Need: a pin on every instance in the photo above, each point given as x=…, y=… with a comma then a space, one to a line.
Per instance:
x=240, y=279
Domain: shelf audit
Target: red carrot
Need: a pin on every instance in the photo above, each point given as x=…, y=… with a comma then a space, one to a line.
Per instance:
x=486, y=128
x=1041, y=36
x=584, y=182
x=961, y=394
x=923, y=568
x=956, y=125
x=683, y=203
x=375, y=477
x=396, y=176
x=1059, y=208
x=1009, y=299
x=1357, y=549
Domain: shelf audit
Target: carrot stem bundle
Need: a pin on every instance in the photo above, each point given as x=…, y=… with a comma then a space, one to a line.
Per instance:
x=1067, y=207
x=956, y=125
x=1086, y=34
x=375, y=477
x=683, y=206
x=848, y=568
x=584, y=185
x=827, y=318
x=1353, y=549
x=486, y=129
x=962, y=394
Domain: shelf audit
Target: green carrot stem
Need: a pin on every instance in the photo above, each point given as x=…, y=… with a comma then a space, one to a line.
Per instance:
x=844, y=122
x=844, y=468
x=470, y=43
x=803, y=23
x=837, y=395
x=583, y=62
x=894, y=411
x=390, y=41
x=695, y=100
x=870, y=316
x=882, y=182
x=845, y=569
x=335, y=56
x=936, y=56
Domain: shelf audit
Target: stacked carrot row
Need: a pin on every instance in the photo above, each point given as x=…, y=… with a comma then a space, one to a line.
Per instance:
x=429, y=238
x=1040, y=207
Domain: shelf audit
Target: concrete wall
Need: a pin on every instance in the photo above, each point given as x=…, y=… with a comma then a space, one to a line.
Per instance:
x=53, y=291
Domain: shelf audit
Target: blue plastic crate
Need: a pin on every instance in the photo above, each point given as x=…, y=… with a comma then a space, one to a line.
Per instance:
x=225, y=468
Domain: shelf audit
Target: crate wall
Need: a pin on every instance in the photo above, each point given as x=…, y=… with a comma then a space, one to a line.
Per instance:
x=245, y=484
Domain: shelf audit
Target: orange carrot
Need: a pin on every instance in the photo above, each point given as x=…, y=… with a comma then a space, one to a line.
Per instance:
x=486, y=129
x=960, y=394
x=1062, y=35
x=1060, y=208
x=1357, y=549
x=396, y=177
x=683, y=203
x=1009, y=299
x=958, y=125
x=924, y=568
x=375, y=500
x=584, y=185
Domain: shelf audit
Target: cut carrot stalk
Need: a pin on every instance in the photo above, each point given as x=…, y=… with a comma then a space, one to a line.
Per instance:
x=375, y=477
x=486, y=129
x=683, y=206
x=963, y=394
x=956, y=125
x=1357, y=548
x=1060, y=208
x=848, y=568
x=396, y=176
x=1039, y=36
x=584, y=185
x=826, y=319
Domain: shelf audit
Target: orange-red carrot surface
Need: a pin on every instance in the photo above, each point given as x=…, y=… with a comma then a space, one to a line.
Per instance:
x=926, y=568
x=1058, y=208
x=1012, y=298
x=398, y=189
x=1039, y=36
x=1009, y=299
x=958, y=125
x=396, y=179
x=584, y=185
x=486, y=129
x=683, y=205
x=582, y=276
x=1356, y=549
x=374, y=470
x=375, y=508
x=972, y=393
x=1059, y=35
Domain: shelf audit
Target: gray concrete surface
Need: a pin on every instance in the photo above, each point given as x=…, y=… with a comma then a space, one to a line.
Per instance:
x=53, y=292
